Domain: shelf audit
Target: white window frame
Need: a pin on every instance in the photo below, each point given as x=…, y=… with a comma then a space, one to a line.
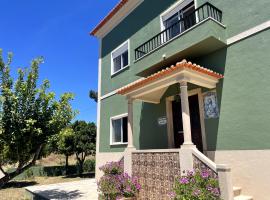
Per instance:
x=111, y=129
x=172, y=10
x=123, y=67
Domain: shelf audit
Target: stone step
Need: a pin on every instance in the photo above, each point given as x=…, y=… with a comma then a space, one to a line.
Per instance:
x=236, y=191
x=243, y=197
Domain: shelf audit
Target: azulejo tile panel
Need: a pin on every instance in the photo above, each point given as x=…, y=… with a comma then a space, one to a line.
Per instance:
x=156, y=172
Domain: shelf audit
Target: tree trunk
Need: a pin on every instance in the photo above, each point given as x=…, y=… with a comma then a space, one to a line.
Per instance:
x=67, y=172
x=8, y=176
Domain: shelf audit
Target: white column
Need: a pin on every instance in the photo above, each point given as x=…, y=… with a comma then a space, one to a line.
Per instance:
x=130, y=123
x=185, y=114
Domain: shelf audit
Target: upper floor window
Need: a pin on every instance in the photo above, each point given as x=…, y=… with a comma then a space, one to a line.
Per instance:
x=178, y=18
x=119, y=129
x=120, y=58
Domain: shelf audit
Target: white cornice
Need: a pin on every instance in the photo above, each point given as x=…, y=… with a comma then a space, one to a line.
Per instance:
x=118, y=17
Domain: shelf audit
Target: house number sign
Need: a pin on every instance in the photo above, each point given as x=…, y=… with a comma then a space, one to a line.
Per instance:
x=162, y=121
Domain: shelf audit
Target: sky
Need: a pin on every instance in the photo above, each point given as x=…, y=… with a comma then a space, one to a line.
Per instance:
x=58, y=30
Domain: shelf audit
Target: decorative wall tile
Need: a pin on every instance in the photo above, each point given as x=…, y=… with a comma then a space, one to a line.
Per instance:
x=156, y=172
x=210, y=105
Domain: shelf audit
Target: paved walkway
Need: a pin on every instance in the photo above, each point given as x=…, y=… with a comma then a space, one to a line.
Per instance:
x=77, y=190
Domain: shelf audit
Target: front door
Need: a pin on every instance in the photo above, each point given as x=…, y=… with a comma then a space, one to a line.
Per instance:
x=194, y=121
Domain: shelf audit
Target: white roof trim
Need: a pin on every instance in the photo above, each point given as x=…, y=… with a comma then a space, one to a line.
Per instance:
x=118, y=17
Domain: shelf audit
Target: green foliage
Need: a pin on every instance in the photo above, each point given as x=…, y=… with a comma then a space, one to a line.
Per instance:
x=196, y=185
x=66, y=141
x=93, y=95
x=29, y=114
x=89, y=165
x=85, y=140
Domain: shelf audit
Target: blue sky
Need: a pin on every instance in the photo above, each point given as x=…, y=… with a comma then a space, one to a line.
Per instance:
x=59, y=31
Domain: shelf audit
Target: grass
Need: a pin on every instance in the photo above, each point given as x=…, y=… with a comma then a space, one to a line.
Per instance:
x=14, y=190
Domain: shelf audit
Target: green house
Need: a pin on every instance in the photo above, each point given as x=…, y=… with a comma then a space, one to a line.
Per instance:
x=183, y=84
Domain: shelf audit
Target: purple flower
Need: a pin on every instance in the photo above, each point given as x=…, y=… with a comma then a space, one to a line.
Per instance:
x=171, y=195
x=209, y=187
x=196, y=192
x=184, y=180
x=215, y=192
x=205, y=174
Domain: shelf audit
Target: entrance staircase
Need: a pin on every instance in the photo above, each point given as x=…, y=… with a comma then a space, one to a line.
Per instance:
x=156, y=170
x=238, y=196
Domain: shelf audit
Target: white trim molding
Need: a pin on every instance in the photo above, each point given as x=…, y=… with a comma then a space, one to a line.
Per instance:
x=111, y=128
x=118, y=17
x=248, y=32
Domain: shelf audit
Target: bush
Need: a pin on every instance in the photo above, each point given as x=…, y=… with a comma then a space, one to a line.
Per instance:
x=196, y=185
x=115, y=183
x=112, y=168
x=89, y=165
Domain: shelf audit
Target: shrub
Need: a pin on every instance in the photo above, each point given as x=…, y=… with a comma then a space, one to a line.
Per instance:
x=89, y=165
x=112, y=168
x=196, y=185
x=115, y=183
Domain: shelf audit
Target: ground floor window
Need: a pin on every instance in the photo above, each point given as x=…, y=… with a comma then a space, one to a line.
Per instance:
x=119, y=129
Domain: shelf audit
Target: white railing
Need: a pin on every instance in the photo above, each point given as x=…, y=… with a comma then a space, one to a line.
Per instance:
x=187, y=158
x=223, y=173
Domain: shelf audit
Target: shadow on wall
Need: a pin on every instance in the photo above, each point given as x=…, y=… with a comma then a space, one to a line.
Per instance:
x=215, y=61
x=152, y=135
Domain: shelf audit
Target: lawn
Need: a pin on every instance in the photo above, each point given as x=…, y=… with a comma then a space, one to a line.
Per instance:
x=15, y=191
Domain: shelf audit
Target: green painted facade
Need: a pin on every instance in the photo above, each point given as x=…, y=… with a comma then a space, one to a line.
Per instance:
x=243, y=95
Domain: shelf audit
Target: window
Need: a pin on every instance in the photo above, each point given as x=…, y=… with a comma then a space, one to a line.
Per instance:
x=120, y=58
x=119, y=129
x=178, y=18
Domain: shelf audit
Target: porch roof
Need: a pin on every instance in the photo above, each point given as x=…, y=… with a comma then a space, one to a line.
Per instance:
x=152, y=88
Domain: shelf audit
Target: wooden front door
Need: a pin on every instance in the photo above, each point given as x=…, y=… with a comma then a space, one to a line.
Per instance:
x=194, y=121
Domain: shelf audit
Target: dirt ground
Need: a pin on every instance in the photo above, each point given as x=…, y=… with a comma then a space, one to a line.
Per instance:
x=14, y=190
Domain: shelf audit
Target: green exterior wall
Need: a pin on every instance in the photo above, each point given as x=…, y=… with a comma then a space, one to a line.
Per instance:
x=243, y=94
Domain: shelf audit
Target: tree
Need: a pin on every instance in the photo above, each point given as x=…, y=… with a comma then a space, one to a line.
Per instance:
x=66, y=143
x=29, y=115
x=93, y=95
x=85, y=141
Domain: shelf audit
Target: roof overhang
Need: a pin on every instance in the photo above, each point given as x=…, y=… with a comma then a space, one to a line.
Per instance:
x=152, y=88
x=115, y=16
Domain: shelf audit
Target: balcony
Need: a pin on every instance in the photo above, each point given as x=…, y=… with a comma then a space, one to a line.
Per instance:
x=199, y=15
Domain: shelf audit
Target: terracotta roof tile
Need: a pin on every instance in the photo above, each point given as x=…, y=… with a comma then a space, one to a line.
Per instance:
x=109, y=16
x=164, y=72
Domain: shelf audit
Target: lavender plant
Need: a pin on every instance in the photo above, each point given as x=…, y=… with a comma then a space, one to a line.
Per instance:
x=196, y=185
x=115, y=184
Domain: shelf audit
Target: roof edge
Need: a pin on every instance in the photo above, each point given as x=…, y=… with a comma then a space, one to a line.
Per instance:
x=114, y=17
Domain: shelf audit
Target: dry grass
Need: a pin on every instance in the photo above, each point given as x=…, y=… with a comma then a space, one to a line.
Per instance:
x=15, y=191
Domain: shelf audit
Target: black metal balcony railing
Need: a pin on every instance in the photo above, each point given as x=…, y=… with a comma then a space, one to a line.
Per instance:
x=201, y=13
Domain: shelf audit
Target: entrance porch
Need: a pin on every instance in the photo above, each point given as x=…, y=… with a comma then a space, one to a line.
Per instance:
x=185, y=130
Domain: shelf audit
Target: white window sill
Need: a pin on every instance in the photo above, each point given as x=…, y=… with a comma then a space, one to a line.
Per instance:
x=118, y=143
x=119, y=71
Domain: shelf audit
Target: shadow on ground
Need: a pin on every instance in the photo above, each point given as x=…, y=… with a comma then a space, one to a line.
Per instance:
x=57, y=194
x=19, y=184
x=84, y=175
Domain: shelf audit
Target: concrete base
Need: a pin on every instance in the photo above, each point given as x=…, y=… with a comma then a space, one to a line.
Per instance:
x=103, y=158
x=250, y=170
